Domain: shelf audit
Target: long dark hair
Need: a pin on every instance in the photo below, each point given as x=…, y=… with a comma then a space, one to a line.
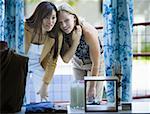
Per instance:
x=35, y=22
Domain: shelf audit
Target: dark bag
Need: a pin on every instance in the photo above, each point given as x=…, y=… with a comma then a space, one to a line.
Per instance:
x=13, y=72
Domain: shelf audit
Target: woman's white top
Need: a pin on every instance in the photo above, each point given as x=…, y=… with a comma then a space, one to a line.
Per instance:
x=34, y=54
x=35, y=74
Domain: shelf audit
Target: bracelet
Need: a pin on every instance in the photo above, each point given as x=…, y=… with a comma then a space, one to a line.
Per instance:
x=46, y=83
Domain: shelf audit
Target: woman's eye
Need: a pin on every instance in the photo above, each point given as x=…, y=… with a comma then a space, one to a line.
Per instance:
x=47, y=17
x=53, y=18
x=66, y=20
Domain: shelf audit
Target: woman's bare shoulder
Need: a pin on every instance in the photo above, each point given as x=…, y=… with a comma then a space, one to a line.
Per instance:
x=88, y=28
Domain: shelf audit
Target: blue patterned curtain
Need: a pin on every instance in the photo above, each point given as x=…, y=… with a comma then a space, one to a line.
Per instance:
x=12, y=23
x=118, y=28
x=2, y=10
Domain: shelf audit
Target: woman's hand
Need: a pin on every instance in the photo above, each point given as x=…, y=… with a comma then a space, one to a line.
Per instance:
x=91, y=92
x=92, y=89
x=76, y=35
x=43, y=92
x=69, y=53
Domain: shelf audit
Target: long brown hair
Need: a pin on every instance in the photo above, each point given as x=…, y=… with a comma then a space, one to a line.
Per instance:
x=35, y=22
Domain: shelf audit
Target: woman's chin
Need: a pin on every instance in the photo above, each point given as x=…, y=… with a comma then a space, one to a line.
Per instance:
x=67, y=31
x=48, y=30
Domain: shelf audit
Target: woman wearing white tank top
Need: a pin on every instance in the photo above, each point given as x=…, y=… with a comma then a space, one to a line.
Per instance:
x=42, y=45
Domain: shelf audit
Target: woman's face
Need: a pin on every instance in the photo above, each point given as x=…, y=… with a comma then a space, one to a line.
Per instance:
x=66, y=21
x=49, y=22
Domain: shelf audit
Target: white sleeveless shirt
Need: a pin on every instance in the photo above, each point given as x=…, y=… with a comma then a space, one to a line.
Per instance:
x=34, y=54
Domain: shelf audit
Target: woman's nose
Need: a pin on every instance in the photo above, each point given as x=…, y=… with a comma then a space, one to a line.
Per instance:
x=50, y=21
x=63, y=25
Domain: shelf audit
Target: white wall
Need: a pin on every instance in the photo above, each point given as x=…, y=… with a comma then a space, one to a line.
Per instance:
x=88, y=9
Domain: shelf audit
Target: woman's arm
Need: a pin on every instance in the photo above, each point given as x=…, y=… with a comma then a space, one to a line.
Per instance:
x=49, y=64
x=91, y=37
x=68, y=53
x=49, y=72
